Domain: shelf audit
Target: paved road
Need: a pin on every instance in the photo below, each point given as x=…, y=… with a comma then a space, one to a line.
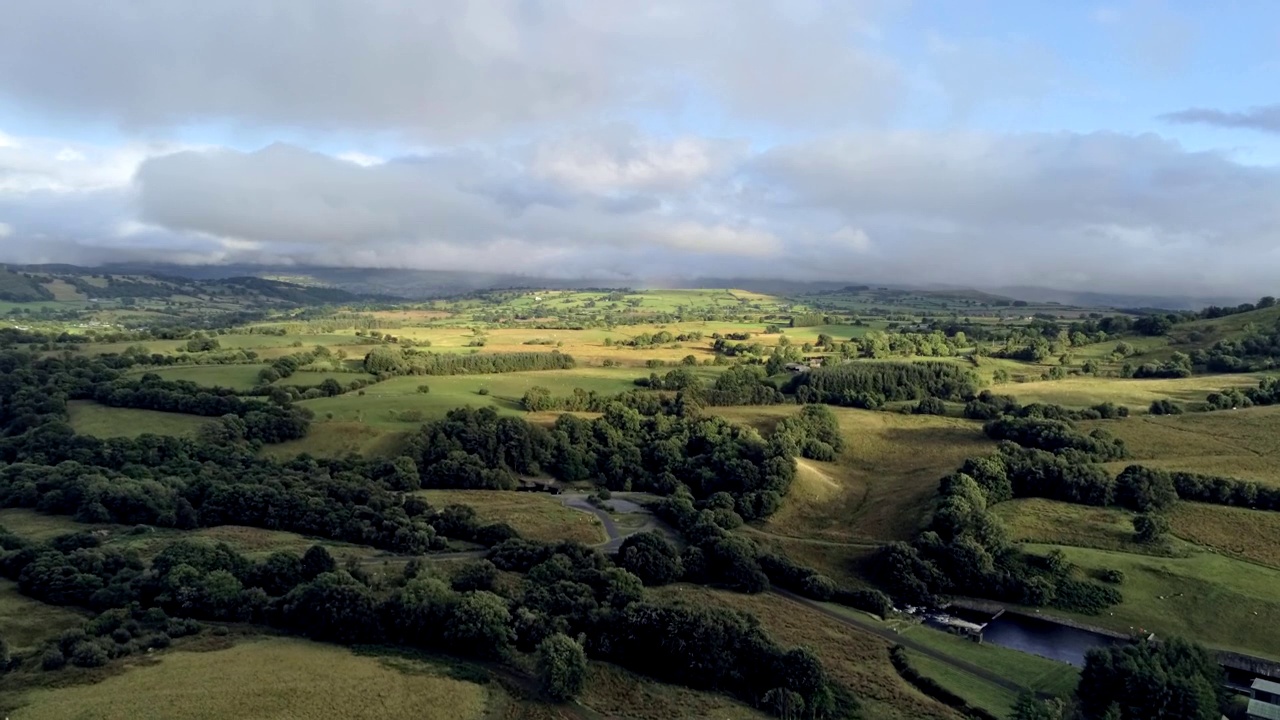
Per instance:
x=902, y=640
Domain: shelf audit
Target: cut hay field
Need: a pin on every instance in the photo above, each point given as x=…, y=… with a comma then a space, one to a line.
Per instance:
x=26, y=623
x=1211, y=598
x=858, y=659
x=1082, y=391
x=237, y=377
x=1236, y=443
x=90, y=418
x=880, y=487
x=536, y=516
x=268, y=678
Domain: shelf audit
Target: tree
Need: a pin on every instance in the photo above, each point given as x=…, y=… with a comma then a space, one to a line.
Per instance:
x=1029, y=707
x=1150, y=527
x=317, y=561
x=481, y=625
x=650, y=557
x=562, y=667
x=1171, y=680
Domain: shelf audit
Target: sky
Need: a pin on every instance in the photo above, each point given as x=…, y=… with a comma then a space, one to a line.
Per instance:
x=1116, y=146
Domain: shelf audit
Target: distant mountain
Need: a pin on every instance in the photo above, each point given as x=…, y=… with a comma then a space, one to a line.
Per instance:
x=29, y=283
x=423, y=284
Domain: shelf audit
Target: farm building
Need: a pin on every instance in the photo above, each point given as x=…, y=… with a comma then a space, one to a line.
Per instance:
x=1267, y=691
x=1259, y=710
x=1265, y=702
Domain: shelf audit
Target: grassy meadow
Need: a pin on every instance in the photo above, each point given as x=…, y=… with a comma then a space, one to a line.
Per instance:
x=268, y=678
x=1208, y=597
x=26, y=623
x=90, y=418
x=1237, y=443
x=881, y=486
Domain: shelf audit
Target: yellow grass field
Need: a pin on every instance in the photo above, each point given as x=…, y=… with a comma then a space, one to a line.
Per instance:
x=880, y=487
x=267, y=678
x=536, y=516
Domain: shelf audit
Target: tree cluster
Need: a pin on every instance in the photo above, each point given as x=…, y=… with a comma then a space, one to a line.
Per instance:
x=870, y=385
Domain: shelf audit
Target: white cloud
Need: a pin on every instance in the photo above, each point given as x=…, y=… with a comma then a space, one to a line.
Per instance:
x=5, y=230
x=361, y=159
x=445, y=69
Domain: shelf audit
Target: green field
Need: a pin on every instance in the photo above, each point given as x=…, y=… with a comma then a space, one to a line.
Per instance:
x=382, y=404
x=1049, y=521
x=90, y=418
x=975, y=690
x=268, y=678
x=1236, y=443
x=237, y=377
x=1216, y=600
x=1136, y=394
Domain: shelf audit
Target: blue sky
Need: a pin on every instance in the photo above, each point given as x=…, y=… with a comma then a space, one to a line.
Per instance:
x=984, y=142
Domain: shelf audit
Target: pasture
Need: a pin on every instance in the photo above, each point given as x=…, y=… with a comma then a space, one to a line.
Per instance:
x=1237, y=443
x=1211, y=598
x=268, y=678
x=237, y=377
x=1037, y=520
x=1251, y=535
x=1084, y=391
x=90, y=418
x=383, y=405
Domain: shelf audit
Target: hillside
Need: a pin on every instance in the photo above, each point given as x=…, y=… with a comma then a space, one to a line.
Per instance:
x=15, y=287
x=33, y=283
x=1203, y=333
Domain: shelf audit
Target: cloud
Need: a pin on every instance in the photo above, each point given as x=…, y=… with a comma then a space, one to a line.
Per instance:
x=5, y=230
x=1264, y=118
x=622, y=160
x=1059, y=209
x=448, y=69
x=417, y=210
